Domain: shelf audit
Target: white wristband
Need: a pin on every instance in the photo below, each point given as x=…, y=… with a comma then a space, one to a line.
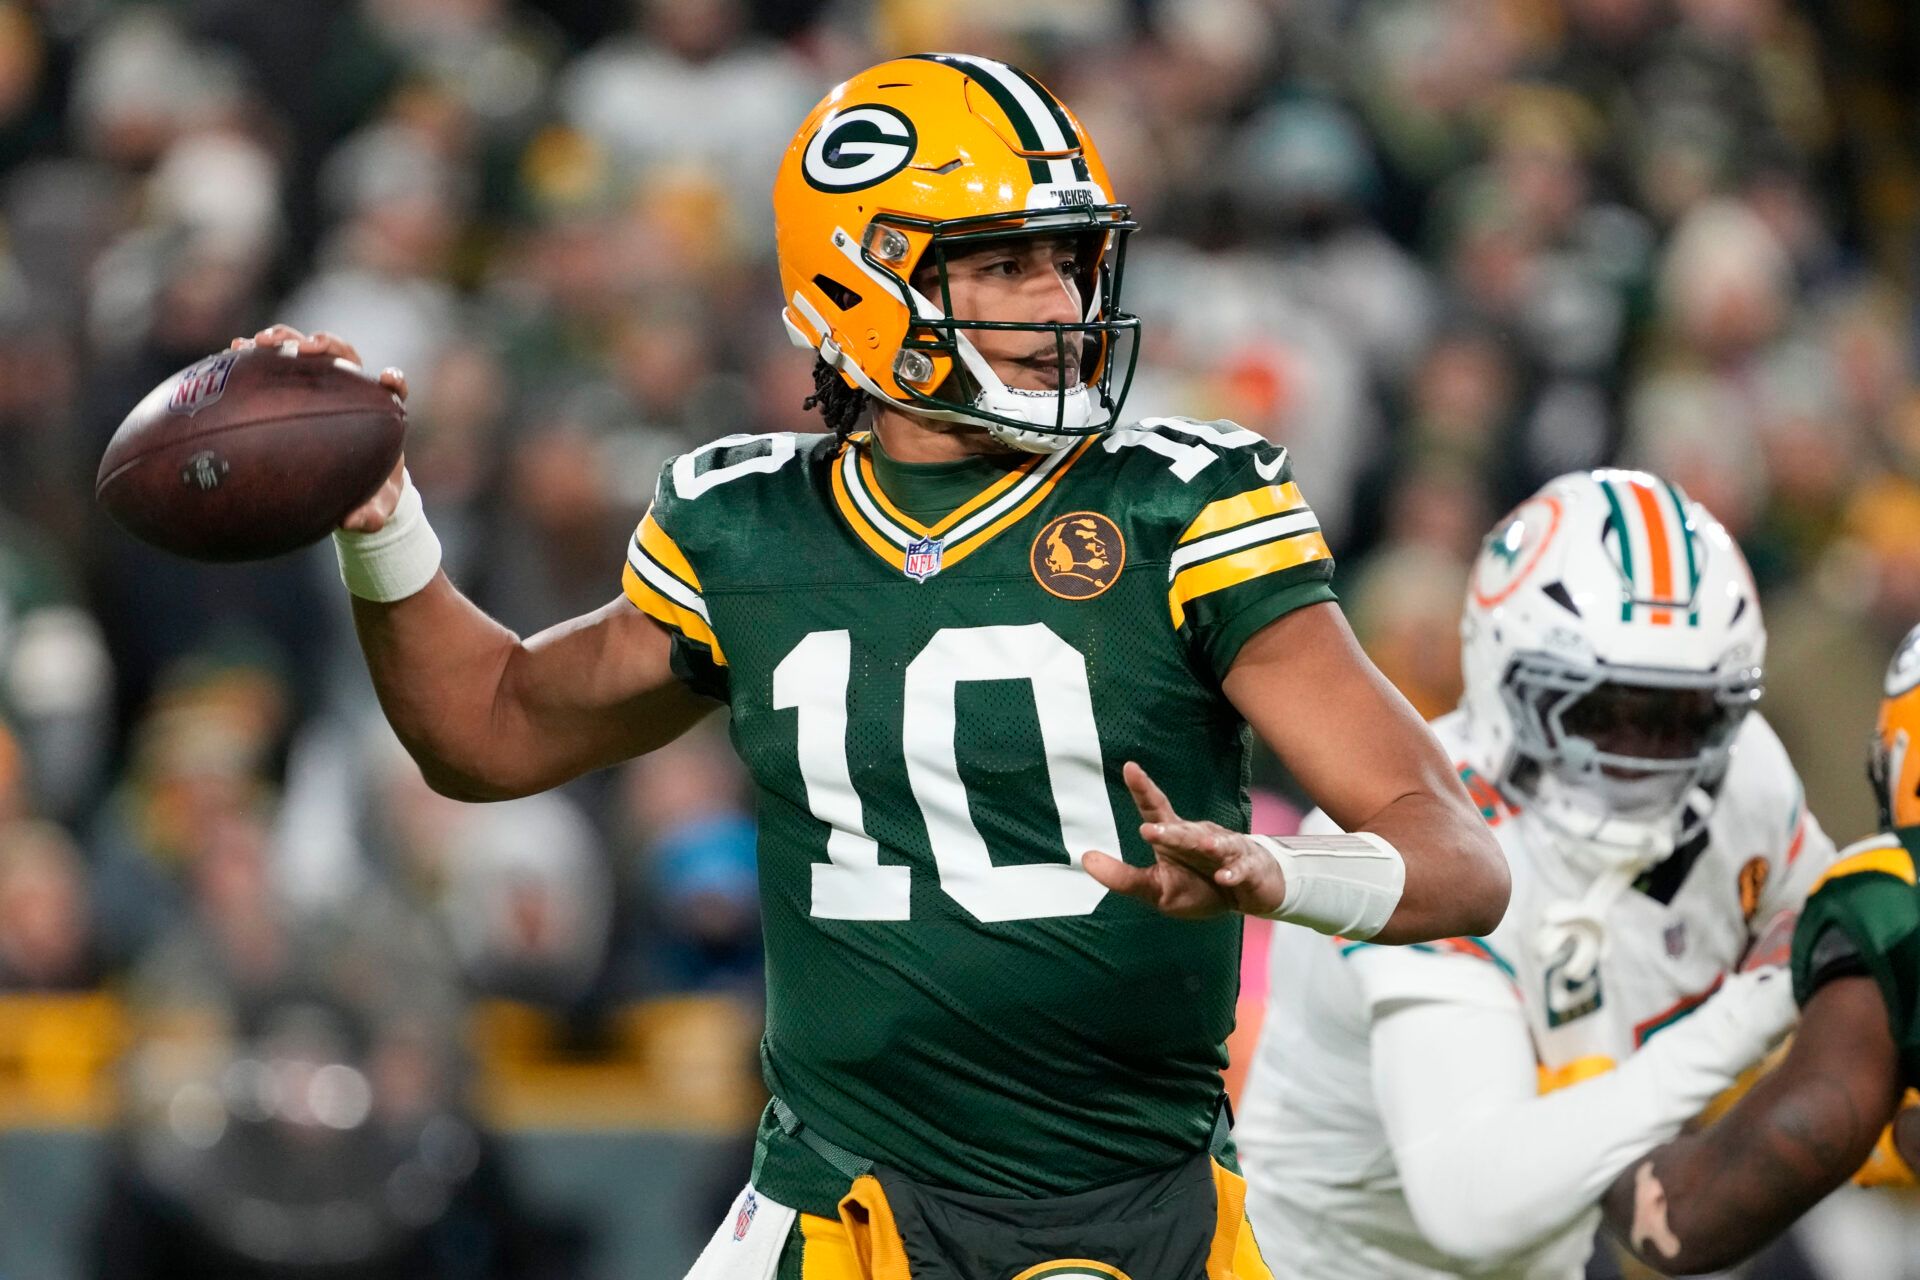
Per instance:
x=395, y=562
x=1346, y=885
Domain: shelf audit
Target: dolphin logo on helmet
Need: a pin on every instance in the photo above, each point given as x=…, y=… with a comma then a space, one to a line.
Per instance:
x=926, y=155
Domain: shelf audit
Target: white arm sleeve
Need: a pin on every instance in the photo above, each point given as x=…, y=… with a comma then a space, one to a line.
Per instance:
x=1489, y=1167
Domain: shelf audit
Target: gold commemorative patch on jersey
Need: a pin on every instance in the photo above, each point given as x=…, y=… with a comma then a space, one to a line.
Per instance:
x=1078, y=556
x=1753, y=883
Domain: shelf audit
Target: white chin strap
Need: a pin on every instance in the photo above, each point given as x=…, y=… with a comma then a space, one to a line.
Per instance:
x=1060, y=416
x=1597, y=837
x=1067, y=415
x=1574, y=932
x=1051, y=418
x=1615, y=851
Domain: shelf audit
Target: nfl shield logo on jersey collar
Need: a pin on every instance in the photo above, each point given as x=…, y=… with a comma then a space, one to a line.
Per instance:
x=923, y=558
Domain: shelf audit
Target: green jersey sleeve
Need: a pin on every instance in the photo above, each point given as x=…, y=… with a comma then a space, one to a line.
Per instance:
x=1864, y=915
x=1251, y=555
x=660, y=580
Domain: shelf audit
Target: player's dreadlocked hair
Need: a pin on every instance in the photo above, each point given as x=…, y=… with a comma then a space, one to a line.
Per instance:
x=840, y=404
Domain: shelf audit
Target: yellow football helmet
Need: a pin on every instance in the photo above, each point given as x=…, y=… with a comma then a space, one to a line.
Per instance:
x=1893, y=763
x=905, y=162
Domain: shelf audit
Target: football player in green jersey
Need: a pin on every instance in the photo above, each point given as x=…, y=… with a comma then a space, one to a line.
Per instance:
x=991, y=658
x=1841, y=1103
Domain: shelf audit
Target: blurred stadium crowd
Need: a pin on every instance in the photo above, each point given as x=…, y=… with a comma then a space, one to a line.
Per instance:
x=1442, y=249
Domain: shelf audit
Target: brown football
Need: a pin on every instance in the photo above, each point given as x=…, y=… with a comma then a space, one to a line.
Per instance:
x=250, y=454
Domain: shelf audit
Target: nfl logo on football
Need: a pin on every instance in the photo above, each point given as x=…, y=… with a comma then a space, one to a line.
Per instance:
x=201, y=385
x=923, y=559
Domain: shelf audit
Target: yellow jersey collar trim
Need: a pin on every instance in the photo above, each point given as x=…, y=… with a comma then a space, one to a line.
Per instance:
x=889, y=533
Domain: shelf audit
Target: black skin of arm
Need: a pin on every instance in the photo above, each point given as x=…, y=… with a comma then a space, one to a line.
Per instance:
x=1710, y=1198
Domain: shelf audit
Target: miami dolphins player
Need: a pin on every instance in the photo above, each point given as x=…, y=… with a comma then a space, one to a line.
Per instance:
x=1460, y=1107
x=991, y=657
x=1842, y=1100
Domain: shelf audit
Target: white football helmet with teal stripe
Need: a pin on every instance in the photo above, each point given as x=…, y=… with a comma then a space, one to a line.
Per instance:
x=1612, y=644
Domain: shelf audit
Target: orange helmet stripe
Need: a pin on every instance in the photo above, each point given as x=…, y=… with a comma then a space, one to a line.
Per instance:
x=1659, y=548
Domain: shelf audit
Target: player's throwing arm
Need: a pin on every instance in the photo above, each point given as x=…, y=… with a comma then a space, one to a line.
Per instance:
x=487, y=715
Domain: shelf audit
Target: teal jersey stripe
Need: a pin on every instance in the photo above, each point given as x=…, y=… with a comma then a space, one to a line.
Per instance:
x=1500, y=961
x=1660, y=1022
x=1626, y=549
x=1352, y=947
x=1478, y=947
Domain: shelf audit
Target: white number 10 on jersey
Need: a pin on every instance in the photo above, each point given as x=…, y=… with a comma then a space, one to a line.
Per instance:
x=852, y=884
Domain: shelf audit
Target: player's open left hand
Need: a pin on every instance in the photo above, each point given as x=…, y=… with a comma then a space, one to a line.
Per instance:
x=1200, y=869
x=371, y=515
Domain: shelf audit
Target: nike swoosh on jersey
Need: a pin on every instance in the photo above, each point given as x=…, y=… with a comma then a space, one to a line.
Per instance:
x=1270, y=467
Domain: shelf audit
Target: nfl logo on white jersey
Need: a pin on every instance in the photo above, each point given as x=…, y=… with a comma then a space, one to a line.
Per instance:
x=923, y=559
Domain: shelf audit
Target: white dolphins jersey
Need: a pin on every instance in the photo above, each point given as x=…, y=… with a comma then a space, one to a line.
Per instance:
x=1324, y=1190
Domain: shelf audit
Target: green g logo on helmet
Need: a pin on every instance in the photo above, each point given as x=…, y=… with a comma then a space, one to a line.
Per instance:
x=859, y=147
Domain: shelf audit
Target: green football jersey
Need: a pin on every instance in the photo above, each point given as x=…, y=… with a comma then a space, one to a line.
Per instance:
x=935, y=719
x=1864, y=914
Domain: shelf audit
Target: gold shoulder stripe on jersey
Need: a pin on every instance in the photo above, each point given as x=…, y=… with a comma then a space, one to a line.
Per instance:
x=1252, y=534
x=663, y=550
x=1891, y=859
x=663, y=579
x=650, y=601
x=1003, y=504
x=1228, y=513
x=656, y=571
x=1287, y=550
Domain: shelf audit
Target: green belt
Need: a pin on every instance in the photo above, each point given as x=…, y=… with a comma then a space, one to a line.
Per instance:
x=851, y=1166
